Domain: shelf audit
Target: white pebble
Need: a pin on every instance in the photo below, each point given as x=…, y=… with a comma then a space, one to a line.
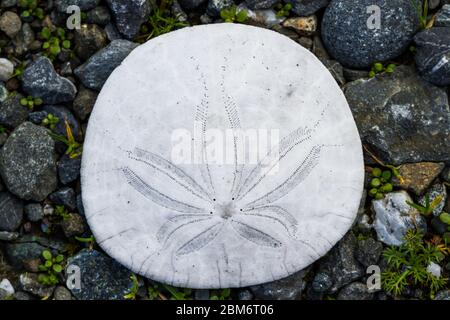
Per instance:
x=6, y=69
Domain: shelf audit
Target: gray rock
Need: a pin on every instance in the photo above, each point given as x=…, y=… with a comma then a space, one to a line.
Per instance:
x=99, y=15
x=394, y=217
x=23, y=296
x=84, y=102
x=40, y=80
x=437, y=190
x=402, y=117
x=18, y=254
x=353, y=74
x=102, y=278
x=6, y=69
x=8, y=236
x=62, y=293
x=64, y=196
x=29, y=283
x=446, y=174
x=442, y=295
x=34, y=212
x=336, y=70
x=341, y=265
x=63, y=114
x=443, y=17
x=201, y=294
x=88, y=40
x=73, y=225
x=27, y=162
x=94, y=72
x=355, y=291
x=24, y=39
x=289, y=288
x=4, y=94
x=305, y=8
x=8, y=3
x=438, y=226
x=433, y=55
x=68, y=169
x=112, y=33
x=10, y=23
x=61, y=5
x=322, y=282
x=129, y=15
x=259, y=4
x=80, y=204
x=12, y=113
x=368, y=252
x=11, y=212
x=348, y=39
x=245, y=295
x=215, y=6
x=190, y=5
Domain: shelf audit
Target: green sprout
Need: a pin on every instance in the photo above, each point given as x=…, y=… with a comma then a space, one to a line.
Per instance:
x=380, y=183
x=232, y=14
x=178, y=293
x=283, y=10
x=54, y=40
x=223, y=294
x=378, y=68
x=52, y=268
x=429, y=206
x=62, y=212
x=31, y=9
x=74, y=148
x=445, y=218
x=31, y=102
x=153, y=292
x=50, y=121
x=407, y=265
x=134, y=289
x=422, y=13
x=18, y=70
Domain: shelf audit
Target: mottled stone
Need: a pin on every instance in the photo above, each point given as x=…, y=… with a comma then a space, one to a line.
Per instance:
x=6, y=69
x=11, y=212
x=260, y=4
x=62, y=293
x=84, y=102
x=73, y=225
x=355, y=291
x=368, y=252
x=129, y=15
x=34, y=212
x=437, y=190
x=443, y=17
x=302, y=25
x=12, y=113
x=89, y=39
x=216, y=6
x=99, y=15
x=417, y=177
x=68, y=169
x=304, y=8
x=10, y=23
x=29, y=283
x=64, y=196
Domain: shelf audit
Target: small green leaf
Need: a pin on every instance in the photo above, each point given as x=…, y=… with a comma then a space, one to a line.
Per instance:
x=59, y=258
x=48, y=264
x=445, y=217
x=66, y=44
x=57, y=268
x=47, y=254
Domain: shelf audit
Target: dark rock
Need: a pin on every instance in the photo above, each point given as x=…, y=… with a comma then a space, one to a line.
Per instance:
x=368, y=252
x=433, y=55
x=347, y=37
x=102, y=278
x=27, y=162
x=29, y=283
x=64, y=196
x=305, y=8
x=8, y=3
x=84, y=5
x=129, y=15
x=94, y=72
x=353, y=75
x=355, y=291
x=62, y=293
x=259, y=4
x=80, y=205
x=84, y=102
x=404, y=118
x=443, y=295
x=438, y=226
x=68, y=169
x=99, y=15
x=88, y=40
x=245, y=295
x=34, y=212
x=417, y=177
x=201, y=294
x=443, y=17
x=336, y=70
x=446, y=174
x=40, y=80
x=8, y=236
x=190, y=5
x=73, y=225
x=11, y=212
x=437, y=190
x=112, y=33
x=23, y=40
x=289, y=288
x=23, y=296
x=12, y=113
x=322, y=282
x=18, y=254
x=215, y=6
x=37, y=117
x=63, y=114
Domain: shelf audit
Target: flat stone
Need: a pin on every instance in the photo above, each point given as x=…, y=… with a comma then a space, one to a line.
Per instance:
x=68, y=169
x=12, y=113
x=249, y=230
x=368, y=252
x=404, y=118
x=11, y=212
x=394, y=217
x=84, y=102
x=101, y=277
x=73, y=225
x=349, y=40
x=417, y=177
x=129, y=15
x=27, y=162
x=289, y=288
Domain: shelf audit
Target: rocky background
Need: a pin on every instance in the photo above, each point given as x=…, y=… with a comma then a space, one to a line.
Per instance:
x=396, y=79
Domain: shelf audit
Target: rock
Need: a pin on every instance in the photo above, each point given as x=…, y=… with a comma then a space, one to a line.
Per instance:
x=8, y=236
x=6, y=69
x=112, y=33
x=27, y=162
x=302, y=25
x=304, y=8
x=23, y=296
x=4, y=94
x=438, y=226
x=84, y=102
x=11, y=212
x=7, y=289
x=289, y=288
x=40, y=80
x=368, y=252
x=443, y=17
x=442, y=295
x=190, y=5
x=260, y=4
x=179, y=13
x=64, y=196
x=201, y=294
x=355, y=291
x=94, y=72
x=29, y=283
x=394, y=217
x=446, y=175
x=101, y=277
x=99, y=15
x=80, y=205
x=433, y=55
x=37, y=117
x=73, y=225
x=245, y=295
x=24, y=39
x=353, y=74
x=349, y=40
x=63, y=114
x=68, y=169
x=322, y=282
x=12, y=113
x=61, y=5
x=265, y=18
x=34, y=212
x=434, y=269
x=437, y=190
x=418, y=176
x=215, y=6
x=62, y=293
x=88, y=40
x=10, y=23
x=341, y=265
x=129, y=15
x=404, y=118
x=19, y=253
x=336, y=70
x=8, y=3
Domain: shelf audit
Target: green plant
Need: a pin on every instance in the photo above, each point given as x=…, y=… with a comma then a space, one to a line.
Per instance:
x=283, y=10
x=50, y=121
x=380, y=183
x=2, y=129
x=54, y=40
x=52, y=268
x=445, y=218
x=223, y=294
x=232, y=14
x=393, y=169
x=19, y=69
x=31, y=9
x=378, y=68
x=134, y=288
x=407, y=265
x=422, y=13
x=61, y=212
x=178, y=293
x=429, y=205
x=31, y=102
x=74, y=148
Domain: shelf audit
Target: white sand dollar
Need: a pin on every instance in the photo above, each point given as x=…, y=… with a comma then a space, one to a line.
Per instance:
x=221, y=217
